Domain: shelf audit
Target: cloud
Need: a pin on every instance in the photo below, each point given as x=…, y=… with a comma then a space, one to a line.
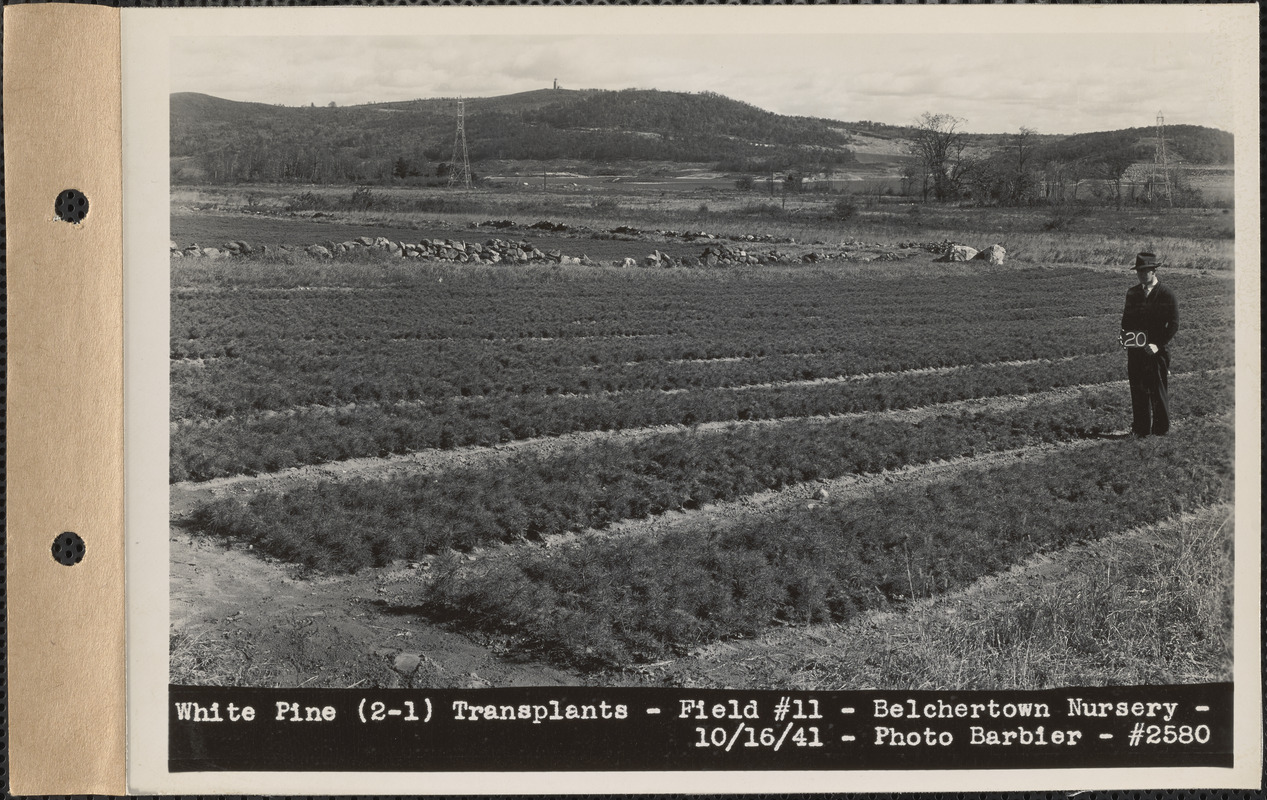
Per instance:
x=1056, y=83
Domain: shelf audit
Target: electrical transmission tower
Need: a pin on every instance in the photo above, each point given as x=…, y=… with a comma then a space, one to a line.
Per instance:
x=1159, y=177
x=460, y=164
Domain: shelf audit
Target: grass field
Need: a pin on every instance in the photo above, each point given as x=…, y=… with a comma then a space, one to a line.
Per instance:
x=572, y=457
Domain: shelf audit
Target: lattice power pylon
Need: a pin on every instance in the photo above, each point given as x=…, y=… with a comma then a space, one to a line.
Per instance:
x=1159, y=177
x=460, y=165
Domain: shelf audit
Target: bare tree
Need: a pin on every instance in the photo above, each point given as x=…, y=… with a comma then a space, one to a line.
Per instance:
x=940, y=148
x=1113, y=166
x=1023, y=144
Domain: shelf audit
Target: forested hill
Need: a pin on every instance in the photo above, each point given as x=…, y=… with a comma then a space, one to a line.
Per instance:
x=221, y=140
x=1193, y=144
x=216, y=140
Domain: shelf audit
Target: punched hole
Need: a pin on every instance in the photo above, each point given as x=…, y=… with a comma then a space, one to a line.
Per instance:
x=68, y=549
x=71, y=206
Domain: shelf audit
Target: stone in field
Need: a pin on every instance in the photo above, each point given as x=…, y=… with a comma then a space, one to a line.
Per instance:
x=994, y=254
x=629, y=262
x=366, y=240
x=317, y=251
x=406, y=663
x=959, y=252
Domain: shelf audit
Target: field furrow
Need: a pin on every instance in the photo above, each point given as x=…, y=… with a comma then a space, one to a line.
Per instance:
x=556, y=474
x=530, y=495
x=187, y=495
x=615, y=601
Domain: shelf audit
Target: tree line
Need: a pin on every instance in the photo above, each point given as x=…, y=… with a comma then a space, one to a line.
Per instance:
x=1027, y=168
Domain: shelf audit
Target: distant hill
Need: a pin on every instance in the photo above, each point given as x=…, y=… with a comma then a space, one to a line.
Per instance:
x=1191, y=144
x=222, y=141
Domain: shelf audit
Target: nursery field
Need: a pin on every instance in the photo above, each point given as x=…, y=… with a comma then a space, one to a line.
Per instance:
x=601, y=468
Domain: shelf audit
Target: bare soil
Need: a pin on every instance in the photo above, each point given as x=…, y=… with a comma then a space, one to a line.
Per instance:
x=239, y=619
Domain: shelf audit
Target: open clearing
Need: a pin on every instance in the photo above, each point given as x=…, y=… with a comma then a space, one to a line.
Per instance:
x=442, y=475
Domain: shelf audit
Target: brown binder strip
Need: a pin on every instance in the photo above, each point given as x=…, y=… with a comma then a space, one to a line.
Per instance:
x=62, y=130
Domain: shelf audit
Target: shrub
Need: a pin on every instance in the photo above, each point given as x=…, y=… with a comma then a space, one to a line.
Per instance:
x=844, y=208
x=363, y=199
x=1062, y=219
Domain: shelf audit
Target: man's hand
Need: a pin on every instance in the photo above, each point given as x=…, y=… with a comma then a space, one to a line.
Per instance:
x=1152, y=348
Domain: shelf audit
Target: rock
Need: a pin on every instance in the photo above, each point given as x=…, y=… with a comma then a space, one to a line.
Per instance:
x=317, y=251
x=382, y=241
x=365, y=240
x=211, y=252
x=406, y=663
x=628, y=263
x=177, y=254
x=959, y=252
x=175, y=246
x=994, y=254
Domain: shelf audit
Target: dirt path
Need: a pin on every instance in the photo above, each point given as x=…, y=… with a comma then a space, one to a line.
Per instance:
x=187, y=496
x=240, y=619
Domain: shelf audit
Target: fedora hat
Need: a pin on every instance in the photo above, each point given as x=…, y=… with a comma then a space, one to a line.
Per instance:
x=1147, y=261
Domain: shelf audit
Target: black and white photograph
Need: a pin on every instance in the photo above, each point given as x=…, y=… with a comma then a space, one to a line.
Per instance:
x=738, y=356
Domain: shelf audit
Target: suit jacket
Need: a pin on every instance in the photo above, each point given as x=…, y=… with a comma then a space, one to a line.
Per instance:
x=1157, y=314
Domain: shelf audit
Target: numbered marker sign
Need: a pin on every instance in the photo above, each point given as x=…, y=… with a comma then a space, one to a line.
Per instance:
x=1134, y=339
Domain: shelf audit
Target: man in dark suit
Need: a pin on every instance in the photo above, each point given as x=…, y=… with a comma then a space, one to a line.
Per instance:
x=1149, y=321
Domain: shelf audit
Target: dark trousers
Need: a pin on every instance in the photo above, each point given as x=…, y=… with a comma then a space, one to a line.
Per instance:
x=1150, y=403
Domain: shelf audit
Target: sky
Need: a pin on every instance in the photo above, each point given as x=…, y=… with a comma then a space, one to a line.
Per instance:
x=1053, y=83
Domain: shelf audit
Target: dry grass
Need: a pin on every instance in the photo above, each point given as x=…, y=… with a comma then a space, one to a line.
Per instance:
x=1148, y=606
x=212, y=658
